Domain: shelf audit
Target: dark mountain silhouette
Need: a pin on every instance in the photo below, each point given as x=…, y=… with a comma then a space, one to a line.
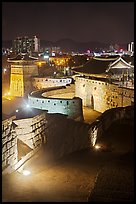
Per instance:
x=70, y=45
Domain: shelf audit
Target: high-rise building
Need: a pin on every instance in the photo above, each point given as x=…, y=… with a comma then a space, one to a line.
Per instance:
x=26, y=45
x=131, y=47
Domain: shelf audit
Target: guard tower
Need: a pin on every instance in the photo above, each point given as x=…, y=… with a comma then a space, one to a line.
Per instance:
x=23, y=67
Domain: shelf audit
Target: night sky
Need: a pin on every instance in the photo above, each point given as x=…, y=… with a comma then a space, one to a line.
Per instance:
x=103, y=22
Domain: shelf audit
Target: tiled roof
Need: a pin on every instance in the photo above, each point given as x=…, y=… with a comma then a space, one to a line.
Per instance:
x=22, y=57
x=95, y=66
x=129, y=59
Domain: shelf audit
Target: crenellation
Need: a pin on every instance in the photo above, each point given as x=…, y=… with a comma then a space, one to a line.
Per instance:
x=40, y=83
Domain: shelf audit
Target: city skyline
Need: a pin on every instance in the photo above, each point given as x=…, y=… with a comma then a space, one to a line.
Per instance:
x=108, y=22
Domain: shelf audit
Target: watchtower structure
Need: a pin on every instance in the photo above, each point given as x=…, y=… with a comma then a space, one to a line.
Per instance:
x=23, y=67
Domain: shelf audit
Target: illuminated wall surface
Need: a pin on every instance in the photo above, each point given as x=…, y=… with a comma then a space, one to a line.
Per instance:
x=9, y=143
x=69, y=107
x=40, y=83
x=20, y=79
x=32, y=130
x=60, y=135
x=101, y=95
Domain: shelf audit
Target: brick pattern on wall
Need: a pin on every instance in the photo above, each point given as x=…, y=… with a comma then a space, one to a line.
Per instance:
x=101, y=95
x=32, y=130
x=9, y=143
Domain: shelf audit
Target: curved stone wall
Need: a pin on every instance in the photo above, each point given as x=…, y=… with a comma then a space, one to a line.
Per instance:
x=72, y=107
x=101, y=95
x=104, y=121
x=40, y=83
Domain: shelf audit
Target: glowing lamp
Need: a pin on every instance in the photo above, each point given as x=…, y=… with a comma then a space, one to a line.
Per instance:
x=46, y=57
x=97, y=147
x=26, y=173
x=28, y=106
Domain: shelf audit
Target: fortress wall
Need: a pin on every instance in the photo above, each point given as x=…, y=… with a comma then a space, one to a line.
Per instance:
x=65, y=135
x=70, y=107
x=9, y=143
x=101, y=95
x=60, y=135
x=104, y=121
x=32, y=130
x=20, y=78
x=40, y=83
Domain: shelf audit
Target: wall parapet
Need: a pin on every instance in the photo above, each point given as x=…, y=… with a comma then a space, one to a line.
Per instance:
x=104, y=121
x=9, y=143
x=71, y=107
x=40, y=83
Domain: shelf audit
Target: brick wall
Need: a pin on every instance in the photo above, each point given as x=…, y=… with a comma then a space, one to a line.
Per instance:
x=9, y=143
x=101, y=95
x=32, y=130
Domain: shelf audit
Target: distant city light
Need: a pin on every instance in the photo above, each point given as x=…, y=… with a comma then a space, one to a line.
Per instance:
x=17, y=111
x=53, y=54
x=46, y=56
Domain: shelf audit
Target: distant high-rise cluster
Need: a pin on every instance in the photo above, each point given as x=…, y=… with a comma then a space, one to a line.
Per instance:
x=26, y=45
x=131, y=47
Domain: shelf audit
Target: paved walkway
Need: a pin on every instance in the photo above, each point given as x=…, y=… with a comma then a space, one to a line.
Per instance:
x=67, y=180
x=90, y=115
